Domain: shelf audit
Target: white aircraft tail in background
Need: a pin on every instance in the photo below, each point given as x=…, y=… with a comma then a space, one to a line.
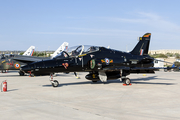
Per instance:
x=60, y=49
x=29, y=51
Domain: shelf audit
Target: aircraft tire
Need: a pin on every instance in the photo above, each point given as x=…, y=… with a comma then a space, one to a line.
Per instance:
x=55, y=84
x=126, y=81
x=3, y=71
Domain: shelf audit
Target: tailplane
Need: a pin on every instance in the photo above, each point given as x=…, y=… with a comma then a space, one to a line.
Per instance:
x=142, y=46
x=29, y=51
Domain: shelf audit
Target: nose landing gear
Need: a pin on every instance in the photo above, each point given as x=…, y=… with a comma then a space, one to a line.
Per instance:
x=54, y=83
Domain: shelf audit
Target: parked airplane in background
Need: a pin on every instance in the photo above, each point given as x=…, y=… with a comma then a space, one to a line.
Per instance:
x=6, y=58
x=16, y=61
x=101, y=63
x=30, y=51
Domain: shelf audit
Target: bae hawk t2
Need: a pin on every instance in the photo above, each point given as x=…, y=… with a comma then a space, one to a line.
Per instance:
x=101, y=63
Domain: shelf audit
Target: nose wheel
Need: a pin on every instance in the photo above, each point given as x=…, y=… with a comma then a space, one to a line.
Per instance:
x=54, y=83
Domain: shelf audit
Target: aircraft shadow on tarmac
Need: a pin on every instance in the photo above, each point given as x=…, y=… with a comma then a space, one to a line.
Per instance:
x=150, y=79
x=8, y=75
x=134, y=81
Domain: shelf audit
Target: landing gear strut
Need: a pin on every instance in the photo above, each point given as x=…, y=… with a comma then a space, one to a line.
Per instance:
x=54, y=83
x=125, y=80
x=76, y=74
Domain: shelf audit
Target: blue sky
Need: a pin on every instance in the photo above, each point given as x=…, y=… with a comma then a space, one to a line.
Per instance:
x=46, y=24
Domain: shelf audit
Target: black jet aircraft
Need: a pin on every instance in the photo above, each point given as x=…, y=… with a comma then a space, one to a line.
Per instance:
x=101, y=63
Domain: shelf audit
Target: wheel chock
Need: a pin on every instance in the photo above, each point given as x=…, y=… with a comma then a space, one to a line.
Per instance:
x=126, y=84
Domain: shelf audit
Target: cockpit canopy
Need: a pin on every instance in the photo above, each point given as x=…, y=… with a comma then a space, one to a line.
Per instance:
x=76, y=51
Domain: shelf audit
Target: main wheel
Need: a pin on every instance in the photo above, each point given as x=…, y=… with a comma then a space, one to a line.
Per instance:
x=55, y=84
x=3, y=71
x=126, y=81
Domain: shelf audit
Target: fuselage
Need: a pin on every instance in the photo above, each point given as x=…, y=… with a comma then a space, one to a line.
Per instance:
x=90, y=61
x=7, y=63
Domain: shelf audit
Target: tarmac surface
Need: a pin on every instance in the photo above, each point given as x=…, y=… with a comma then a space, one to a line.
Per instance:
x=150, y=97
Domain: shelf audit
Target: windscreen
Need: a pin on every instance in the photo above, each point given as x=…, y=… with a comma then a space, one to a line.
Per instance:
x=77, y=50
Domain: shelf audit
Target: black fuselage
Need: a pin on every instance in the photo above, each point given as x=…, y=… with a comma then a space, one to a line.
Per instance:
x=103, y=59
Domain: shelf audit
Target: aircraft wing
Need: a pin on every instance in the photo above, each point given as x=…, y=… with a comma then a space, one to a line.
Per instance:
x=135, y=69
x=116, y=68
x=29, y=59
x=149, y=68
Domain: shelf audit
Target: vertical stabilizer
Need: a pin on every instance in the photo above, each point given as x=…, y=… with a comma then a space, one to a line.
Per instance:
x=60, y=49
x=29, y=51
x=142, y=46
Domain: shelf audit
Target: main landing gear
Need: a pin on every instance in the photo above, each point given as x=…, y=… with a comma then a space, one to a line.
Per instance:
x=3, y=71
x=54, y=83
x=126, y=81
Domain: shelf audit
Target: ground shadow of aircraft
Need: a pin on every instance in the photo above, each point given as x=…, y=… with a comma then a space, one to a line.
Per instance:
x=150, y=78
x=134, y=81
x=8, y=76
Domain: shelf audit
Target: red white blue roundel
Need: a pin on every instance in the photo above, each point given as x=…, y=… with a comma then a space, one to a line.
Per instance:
x=107, y=61
x=17, y=65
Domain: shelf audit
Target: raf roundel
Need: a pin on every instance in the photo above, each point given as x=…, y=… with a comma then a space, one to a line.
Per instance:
x=107, y=61
x=17, y=65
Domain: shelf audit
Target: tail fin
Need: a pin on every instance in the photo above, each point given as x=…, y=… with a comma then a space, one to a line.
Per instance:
x=60, y=49
x=142, y=46
x=29, y=51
